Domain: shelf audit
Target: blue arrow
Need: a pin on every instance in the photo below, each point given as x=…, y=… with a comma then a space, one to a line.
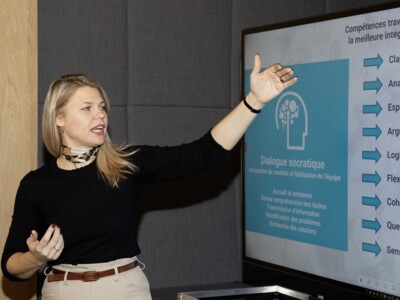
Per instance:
x=373, y=61
x=372, y=109
x=373, y=248
x=375, y=225
x=376, y=132
x=373, y=155
x=372, y=85
x=371, y=201
x=372, y=178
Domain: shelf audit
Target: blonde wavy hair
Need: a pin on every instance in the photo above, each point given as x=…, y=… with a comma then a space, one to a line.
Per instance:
x=112, y=161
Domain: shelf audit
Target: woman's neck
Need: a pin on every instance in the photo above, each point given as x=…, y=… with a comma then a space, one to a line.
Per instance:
x=75, y=158
x=65, y=164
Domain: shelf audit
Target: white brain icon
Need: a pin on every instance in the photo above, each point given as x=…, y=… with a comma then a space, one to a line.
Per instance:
x=289, y=111
x=291, y=117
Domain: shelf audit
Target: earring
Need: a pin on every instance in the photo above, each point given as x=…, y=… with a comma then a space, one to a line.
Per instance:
x=61, y=129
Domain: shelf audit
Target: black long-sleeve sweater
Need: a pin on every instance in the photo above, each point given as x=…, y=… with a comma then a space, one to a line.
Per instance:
x=98, y=222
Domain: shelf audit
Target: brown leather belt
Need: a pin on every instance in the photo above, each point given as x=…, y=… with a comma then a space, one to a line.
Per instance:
x=59, y=275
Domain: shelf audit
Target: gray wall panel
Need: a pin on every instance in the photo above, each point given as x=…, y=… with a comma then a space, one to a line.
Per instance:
x=117, y=120
x=179, y=52
x=170, y=125
x=342, y=5
x=84, y=37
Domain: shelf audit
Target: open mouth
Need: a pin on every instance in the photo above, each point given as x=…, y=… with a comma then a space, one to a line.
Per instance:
x=99, y=129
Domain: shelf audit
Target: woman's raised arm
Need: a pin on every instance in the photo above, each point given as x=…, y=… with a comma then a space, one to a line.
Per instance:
x=264, y=86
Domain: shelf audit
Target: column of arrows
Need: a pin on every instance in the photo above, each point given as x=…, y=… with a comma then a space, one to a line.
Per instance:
x=372, y=155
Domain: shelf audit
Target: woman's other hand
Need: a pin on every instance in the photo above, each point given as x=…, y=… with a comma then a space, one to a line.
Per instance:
x=49, y=247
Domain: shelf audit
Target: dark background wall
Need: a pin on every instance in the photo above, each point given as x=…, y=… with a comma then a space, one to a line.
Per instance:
x=172, y=70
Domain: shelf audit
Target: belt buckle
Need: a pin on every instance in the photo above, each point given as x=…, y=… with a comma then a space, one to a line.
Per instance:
x=90, y=276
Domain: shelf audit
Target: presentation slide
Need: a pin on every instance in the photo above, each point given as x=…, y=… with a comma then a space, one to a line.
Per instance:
x=322, y=160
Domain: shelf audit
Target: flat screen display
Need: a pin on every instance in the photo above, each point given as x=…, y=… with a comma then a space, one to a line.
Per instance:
x=321, y=162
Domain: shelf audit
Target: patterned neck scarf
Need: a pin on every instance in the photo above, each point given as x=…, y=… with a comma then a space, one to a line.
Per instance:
x=77, y=156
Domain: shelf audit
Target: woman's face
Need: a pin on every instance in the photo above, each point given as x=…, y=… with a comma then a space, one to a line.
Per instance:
x=83, y=119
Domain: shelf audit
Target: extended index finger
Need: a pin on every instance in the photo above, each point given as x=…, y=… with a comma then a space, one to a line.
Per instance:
x=274, y=68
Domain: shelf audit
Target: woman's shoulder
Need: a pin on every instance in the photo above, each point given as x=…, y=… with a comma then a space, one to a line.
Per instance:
x=40, y=173
x=134, y=153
